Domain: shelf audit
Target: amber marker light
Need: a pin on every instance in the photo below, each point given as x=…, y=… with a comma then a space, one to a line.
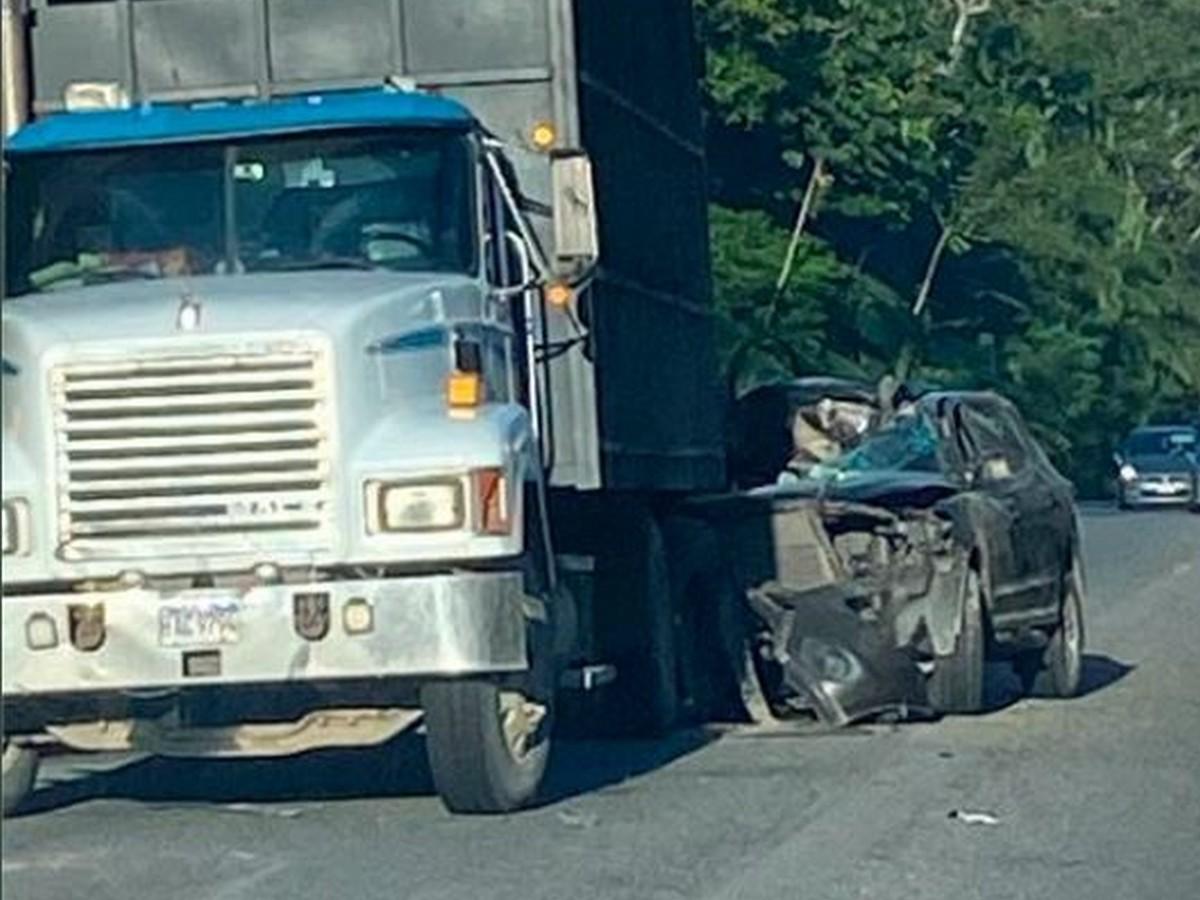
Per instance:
x=558, y=294
x=464, y=390
x=543, y=135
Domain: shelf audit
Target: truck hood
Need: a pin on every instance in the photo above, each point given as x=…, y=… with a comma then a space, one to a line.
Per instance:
x=332, y=302
x=386, y=337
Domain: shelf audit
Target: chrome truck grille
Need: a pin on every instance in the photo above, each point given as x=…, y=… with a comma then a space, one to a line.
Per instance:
x=212, y=452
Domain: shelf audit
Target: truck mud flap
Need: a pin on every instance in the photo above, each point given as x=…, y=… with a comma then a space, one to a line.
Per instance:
x=843, y=662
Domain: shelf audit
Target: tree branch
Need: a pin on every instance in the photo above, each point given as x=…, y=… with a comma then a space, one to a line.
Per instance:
x=935, y=260
x=966, y=11
x=810, y=194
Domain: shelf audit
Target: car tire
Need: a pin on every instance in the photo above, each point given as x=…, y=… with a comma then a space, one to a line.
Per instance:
x=483, y=756
x=957, y=682
x=1057, y=669
x=19, y=771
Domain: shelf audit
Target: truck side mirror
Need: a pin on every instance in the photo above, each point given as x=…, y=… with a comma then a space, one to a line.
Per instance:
x=576, y=237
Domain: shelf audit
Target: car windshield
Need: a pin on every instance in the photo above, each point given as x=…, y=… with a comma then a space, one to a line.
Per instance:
x=907, y=443
x=1161, y=443
x=396, y=200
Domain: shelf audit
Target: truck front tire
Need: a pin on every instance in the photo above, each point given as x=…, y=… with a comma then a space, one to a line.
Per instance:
x=20, y=766
x=487, y=746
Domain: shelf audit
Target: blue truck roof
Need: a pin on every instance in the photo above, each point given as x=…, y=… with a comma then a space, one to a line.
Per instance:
x=172, y=122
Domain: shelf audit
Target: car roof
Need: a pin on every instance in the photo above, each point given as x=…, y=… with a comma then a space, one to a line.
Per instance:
x=809, y=389
x=1162, y=429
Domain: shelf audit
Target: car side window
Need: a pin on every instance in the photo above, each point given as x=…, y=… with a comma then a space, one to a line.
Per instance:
x=994, y=440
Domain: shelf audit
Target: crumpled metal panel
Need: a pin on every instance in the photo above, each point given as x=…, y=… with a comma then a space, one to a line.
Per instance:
x=845, y=664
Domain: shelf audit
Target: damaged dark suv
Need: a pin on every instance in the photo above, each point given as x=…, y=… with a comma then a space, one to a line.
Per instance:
x=917, y=538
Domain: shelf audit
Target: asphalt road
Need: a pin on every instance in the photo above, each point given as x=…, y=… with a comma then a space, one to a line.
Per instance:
x=1092, y=798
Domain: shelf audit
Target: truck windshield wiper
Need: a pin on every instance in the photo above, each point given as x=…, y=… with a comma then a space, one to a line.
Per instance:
x=70, y=271
x=100, y=276
x=323, y=262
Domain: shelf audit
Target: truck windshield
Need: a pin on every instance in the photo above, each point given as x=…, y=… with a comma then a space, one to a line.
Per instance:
x=392, y=200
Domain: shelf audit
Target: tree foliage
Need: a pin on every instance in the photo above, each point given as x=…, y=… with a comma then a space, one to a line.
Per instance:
x=1012, y=200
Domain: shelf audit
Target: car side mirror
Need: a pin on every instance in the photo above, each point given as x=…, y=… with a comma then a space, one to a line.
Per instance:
x=992, y=468
x=576, y=232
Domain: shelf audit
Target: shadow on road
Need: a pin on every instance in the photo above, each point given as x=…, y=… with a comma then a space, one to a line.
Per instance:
x=1101, y=671
x=1003, y=688
x=580, y=767
x=398, y=769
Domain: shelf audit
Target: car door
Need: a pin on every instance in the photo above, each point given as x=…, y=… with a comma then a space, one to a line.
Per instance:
x=992, y=518
x=1047, y=520
x=1052, y=523
x=1007, y=479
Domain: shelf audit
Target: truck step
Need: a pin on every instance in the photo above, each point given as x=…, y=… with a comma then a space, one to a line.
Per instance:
x=588, y=678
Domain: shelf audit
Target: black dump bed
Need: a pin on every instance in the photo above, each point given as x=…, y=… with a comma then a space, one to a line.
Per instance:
x=638, y=407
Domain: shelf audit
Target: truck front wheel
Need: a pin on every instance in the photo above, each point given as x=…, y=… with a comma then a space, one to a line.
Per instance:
x=20, y=765
x=487, y=745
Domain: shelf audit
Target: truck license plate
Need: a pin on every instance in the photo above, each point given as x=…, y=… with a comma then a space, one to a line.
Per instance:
x=198, y=624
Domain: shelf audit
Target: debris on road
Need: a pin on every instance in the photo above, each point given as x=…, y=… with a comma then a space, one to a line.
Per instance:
x=278, y=812
x=575, y=819
x=973, y=817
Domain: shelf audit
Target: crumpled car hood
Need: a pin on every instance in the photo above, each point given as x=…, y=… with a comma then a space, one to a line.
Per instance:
x=883, y=488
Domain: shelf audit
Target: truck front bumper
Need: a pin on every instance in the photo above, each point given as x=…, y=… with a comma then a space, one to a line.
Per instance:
x=135, y=640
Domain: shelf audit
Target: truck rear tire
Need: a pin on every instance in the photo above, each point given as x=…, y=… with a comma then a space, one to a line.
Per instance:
x=957, y=682
x=635, y=589
x=20, y=766
x=487, y=746
x=718, y=679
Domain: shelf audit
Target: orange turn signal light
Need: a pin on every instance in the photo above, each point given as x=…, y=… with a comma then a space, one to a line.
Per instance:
x=543, y=135
x=464, y=390
x=559, y=294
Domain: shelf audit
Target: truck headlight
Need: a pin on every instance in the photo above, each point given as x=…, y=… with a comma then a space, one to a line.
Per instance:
x=1128, y=473
x=415, y=506
x=16, y=527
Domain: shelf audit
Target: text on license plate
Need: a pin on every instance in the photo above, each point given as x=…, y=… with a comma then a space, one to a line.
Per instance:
x=198, y=624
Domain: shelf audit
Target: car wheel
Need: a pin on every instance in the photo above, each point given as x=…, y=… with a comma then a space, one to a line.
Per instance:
x=957, y=682
x=1057, y=670
x=19, y=770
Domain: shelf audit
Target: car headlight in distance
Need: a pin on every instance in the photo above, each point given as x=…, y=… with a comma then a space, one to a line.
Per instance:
x=1128, y=473
x=16, y=527
x=415, y=506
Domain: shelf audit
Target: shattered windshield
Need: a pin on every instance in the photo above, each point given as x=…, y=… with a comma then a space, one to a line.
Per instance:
x=395, y=200
x=907, y=443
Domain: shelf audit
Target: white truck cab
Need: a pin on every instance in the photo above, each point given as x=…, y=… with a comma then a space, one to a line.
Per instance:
x=313, y=382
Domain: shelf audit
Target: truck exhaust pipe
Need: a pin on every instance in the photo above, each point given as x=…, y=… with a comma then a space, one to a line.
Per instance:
x=14, y=55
